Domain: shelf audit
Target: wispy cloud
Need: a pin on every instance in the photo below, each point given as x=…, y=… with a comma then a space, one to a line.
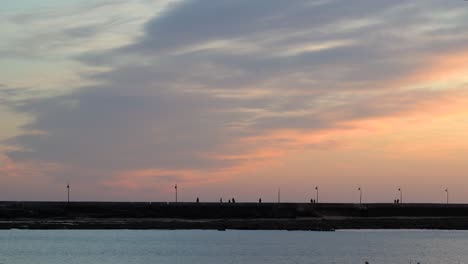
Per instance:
x=212, y=89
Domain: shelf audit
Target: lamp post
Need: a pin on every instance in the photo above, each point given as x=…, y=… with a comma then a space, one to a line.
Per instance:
x=317, y=194
x=175, y=187
x=401, y=195
x=279, y=195
x=447, y=192
x=360, y=195
x=68, y=192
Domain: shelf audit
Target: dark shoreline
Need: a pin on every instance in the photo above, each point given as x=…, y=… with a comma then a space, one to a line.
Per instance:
x=241, y=216
x=445, y=223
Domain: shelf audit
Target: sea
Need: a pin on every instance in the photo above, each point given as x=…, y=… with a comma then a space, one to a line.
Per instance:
x=232, y=246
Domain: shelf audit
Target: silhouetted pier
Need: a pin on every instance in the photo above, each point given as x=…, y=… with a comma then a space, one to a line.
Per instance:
x=287, y=216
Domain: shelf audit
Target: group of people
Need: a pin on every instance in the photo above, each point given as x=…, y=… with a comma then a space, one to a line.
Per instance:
x=221, y=200
x=396, y=201
x=229, y=201
x=259, y=200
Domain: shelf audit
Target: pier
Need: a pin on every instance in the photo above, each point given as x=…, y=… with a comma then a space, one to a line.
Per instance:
x=221, y=216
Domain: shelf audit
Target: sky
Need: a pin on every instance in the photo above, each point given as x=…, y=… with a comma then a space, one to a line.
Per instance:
x=234, y=98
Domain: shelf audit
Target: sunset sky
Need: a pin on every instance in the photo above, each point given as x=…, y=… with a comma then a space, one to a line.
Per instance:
x=124, y=99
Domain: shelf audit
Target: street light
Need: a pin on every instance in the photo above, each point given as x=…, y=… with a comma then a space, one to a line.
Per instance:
x=175, y=187
x=401, y=195
x=447, y=192
x=68, y=192
x=360, y=195
x=317, y=194
x=279, y=195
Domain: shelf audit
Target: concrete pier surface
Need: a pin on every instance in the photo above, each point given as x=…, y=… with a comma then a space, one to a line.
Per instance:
x=221, y=216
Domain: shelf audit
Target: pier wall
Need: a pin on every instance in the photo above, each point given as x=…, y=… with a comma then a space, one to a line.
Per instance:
x=14, y=210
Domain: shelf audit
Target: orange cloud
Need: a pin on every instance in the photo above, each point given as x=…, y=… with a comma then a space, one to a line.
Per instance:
x=412, y=112
x=441, y=69
x=26, y=169
x=445, y=67
x=142, y=178
x=7, y=167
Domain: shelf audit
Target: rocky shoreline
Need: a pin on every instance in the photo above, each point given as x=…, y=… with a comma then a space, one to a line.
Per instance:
x=320, y=224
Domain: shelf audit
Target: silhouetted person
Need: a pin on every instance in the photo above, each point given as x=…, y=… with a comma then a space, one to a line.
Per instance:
x=260, y=200
x=311, y=201
x=229, y=201
x=221, y=200
x=233, y=200
x=198, y=200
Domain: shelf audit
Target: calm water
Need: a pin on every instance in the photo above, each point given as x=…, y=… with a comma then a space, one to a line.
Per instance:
x=204, y=247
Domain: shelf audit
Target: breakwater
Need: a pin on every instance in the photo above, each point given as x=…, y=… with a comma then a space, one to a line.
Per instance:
x=287, y=216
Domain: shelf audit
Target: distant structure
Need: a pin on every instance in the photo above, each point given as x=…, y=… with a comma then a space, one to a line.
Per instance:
x=360, y=195
x=198, y=200
x=68, y=192
x=260, y=200
x=401, y=195
x=317, y=194
x=279, y=195
x=447, y=192
x=175, y=187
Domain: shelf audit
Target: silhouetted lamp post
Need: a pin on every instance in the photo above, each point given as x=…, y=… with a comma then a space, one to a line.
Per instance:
x=175, y=187
x=447, y=192
x=279, y=195
x=317, y=194
x=68, y=192
x=401, y=195
x=360, y=195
